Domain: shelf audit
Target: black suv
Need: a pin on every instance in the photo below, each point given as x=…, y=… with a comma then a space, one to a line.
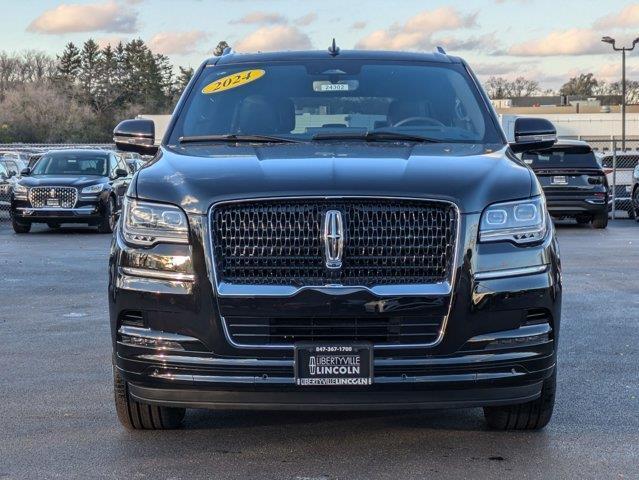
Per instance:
x=71, y=186
x=341, y=230
x=574, y=183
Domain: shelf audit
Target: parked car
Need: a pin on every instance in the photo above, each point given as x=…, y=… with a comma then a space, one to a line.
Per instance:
x=621, y=177
x=269, y=259
x=14, y=162
x=635, y=194
x=5, y=190
x=71, y=186
x=134, y=161
x=11, y=164
x=574, y=183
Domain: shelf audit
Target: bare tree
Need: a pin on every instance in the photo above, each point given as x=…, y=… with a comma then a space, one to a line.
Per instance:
x=499, y=87
x=36, y=112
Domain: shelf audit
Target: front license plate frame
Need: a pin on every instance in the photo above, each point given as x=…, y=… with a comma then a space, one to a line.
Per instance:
x=559, y=180
x=336, y=364
x=53, y=202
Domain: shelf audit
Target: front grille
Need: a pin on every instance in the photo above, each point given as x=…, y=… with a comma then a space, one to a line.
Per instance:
x=378, y=330
x=387, y=242
x=66, y=196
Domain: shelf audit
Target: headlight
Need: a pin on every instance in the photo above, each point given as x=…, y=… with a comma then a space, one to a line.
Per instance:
x=94, y=188
x=520, y=222
x=146, y=223
x=20, y=191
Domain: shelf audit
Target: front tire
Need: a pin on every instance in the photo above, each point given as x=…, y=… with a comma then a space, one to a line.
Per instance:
x=20, y=227
x=109, y=218
x=533, y=415
x=600, y=220
x=134, y=415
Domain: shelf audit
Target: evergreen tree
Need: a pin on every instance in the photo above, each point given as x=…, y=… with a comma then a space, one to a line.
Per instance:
x=90, y=61
x=69, y=62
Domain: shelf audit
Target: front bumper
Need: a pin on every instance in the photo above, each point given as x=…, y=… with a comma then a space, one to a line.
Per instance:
x=89, y=209
x=490, y=353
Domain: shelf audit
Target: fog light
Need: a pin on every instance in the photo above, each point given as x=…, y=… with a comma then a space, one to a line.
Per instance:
x=150, y=342
x=519, y=341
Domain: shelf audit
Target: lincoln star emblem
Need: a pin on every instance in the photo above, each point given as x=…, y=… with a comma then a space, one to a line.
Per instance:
x=52, y=193
x=333, y=239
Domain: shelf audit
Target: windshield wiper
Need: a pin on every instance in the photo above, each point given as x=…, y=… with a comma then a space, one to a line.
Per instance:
x=374, y=136
x=232, y=137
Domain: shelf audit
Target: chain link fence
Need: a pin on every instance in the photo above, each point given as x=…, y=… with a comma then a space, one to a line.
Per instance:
x=619, y=160
x=14, y=157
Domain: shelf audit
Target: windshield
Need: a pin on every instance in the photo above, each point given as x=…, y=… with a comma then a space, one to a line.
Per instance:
x=332, y=98
x=561, y=159
x=72, y=164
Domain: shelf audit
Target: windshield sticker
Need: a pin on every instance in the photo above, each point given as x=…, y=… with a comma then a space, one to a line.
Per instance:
x=342, y=86
x=232, y=81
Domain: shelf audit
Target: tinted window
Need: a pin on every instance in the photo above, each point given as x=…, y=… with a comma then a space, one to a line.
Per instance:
x=72, y=164
x=298, y=100
x=561, y=159
x=12, y=167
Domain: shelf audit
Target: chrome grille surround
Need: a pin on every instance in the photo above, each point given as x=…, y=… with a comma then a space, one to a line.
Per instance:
x=223, y=289
x=68, y=196
x=274, y=246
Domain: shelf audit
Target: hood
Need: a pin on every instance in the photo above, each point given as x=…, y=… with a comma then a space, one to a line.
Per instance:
x=61, y=180
x=472, y=176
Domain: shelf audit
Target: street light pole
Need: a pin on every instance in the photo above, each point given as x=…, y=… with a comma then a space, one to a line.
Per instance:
x=623, y=51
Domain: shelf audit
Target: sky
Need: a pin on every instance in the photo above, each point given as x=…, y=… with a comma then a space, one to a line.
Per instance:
x=544, y=40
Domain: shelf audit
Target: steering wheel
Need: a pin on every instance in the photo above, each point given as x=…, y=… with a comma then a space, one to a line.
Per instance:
x=419, y=121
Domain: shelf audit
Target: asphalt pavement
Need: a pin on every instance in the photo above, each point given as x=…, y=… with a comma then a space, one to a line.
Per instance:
x=57, y=418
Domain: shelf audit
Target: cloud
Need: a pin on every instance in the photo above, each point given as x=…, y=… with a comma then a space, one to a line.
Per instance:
x=108, y=16
x=278, y=37
x=261, y=18
x=484, y=42
x=507, y=69
x=574, y=41
x=112, y=40
x=628, y=17
x=179, y=43
x=358, y=25
x=306, y=20
x=416, y=33
x=611, y=72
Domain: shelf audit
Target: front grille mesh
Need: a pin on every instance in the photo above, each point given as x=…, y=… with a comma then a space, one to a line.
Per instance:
x=66, y=196
x=378, y=330
x=388, y=241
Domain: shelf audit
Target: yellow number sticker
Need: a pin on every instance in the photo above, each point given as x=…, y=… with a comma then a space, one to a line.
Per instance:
x=234, y=80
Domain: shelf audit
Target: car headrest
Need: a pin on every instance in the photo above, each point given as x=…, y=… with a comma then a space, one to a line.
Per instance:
x=286, y=112
x=257, y=115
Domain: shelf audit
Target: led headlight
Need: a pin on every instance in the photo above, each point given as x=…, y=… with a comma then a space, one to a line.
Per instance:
x=94, y=188
x=520, y=222
x=147, y=223
x=20, y=192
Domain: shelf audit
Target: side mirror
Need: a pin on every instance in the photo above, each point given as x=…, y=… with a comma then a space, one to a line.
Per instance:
x=136, y=135
x=533, y=134
x=3, y=176
x=25, y=171
x=121, y=172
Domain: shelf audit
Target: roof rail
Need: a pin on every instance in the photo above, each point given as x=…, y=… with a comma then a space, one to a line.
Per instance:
x=441, y=50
